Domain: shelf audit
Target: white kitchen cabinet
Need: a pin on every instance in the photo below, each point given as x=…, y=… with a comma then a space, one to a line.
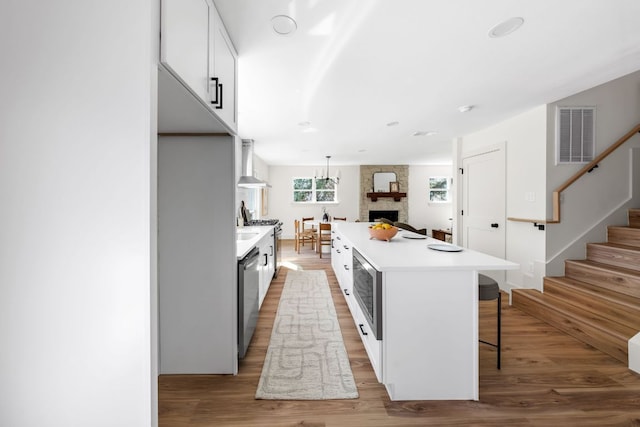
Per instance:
x=342, y=263
x=267, y=263
x=184, y=44
x=372, y=346
x=197, y=260
x=196, y=49
x=224, y=66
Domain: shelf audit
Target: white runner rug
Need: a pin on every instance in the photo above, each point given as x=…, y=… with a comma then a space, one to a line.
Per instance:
x=306, y=358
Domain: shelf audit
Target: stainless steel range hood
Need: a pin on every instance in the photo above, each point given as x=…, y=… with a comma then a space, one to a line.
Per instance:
x=247, y=180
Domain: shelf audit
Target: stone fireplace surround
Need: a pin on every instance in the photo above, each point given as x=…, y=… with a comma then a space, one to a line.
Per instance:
x=383, y=203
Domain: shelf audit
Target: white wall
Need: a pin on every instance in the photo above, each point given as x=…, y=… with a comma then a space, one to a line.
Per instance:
x=422, y=213
x=525, y=137
x=281, y=204
x=76, y=141
x=600, y=198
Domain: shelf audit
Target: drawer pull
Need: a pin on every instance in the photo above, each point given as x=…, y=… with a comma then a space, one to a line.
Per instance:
x=346, y=292
x=362, y=329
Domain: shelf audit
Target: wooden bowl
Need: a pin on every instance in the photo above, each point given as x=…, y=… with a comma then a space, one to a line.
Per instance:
x=382, y=234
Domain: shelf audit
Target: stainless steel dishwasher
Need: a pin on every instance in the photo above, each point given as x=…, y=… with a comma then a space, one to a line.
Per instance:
x=248, y=299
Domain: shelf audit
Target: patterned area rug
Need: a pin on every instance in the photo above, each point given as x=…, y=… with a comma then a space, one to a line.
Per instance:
x=306, y=358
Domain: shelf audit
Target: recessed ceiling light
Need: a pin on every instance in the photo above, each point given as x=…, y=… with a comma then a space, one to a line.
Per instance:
x=506, y=27
x=423, y=133
x=465, y=108
x=304, y=124
x=309, y=130
x=393, y=124
x=283, y=24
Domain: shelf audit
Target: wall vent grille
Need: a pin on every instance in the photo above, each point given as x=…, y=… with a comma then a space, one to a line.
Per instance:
x=575, y=134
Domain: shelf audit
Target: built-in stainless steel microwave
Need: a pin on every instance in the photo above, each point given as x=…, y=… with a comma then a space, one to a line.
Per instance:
x=367, y=288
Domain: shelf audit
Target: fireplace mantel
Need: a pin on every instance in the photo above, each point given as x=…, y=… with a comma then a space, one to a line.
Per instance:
x=396, y=196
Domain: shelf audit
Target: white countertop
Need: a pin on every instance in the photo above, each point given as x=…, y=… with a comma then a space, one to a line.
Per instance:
x=402, y=254
x=258, y=232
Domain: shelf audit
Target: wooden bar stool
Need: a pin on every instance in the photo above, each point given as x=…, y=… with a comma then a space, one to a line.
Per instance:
x=488, y=290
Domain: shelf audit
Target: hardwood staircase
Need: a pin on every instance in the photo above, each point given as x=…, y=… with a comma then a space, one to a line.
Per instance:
x=598, y=299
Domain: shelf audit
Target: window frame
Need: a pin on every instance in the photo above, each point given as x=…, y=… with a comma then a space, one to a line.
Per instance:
x=313, y=190
x=446, y=190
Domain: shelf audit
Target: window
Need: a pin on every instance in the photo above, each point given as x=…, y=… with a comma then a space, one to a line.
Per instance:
x=310, y=190
x=575, y=134
x=439, y=189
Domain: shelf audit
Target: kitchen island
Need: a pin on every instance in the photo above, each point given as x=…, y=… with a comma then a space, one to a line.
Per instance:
x=429, y=311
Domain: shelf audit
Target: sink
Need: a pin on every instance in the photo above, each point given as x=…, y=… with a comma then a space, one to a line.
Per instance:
x=245, y=236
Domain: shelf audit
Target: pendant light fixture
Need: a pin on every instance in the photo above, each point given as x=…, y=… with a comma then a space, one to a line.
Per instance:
x=327, y=178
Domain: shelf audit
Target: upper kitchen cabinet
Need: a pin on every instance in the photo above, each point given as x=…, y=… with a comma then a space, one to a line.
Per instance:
x=197, y=79
x=224, y=66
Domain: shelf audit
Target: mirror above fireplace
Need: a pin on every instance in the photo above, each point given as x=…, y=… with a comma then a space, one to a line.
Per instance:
x=382, y=181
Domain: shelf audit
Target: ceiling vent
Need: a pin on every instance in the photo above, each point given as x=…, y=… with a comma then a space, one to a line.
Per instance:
x=575, y=134
x=247, y=179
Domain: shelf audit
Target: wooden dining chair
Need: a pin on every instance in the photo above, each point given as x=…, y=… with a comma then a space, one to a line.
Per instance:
x=302, y=236
x=337, y=218
x=324, y=236
x=306, y=227
x=307, y=219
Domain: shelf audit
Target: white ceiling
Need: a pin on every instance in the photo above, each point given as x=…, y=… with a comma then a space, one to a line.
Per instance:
x=353, y=66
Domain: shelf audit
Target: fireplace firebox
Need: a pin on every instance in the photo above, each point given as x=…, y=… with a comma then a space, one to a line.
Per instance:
x=390, y=215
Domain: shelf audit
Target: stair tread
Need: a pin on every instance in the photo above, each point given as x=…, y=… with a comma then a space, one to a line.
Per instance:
x=615, y=254
x=594, y=320
x=609, y=337
x=623, y=227
x=607, y=267
x=626, y=248
x=605, y=293
x=634, y=218
x=625, y=234
x=618, y=307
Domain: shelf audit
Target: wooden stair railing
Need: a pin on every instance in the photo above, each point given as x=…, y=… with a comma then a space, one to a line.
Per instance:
x=586, y=169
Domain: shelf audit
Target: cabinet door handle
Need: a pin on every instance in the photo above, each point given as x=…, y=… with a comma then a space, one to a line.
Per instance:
x=338, y=250
x=219, y=107
x=266, y=259
x=216, y=89
x=271, y=247
x=346, y=247
x=494, y=225
x=213, y=88
x=346, y=267
x=346, y=292
x=361, y=326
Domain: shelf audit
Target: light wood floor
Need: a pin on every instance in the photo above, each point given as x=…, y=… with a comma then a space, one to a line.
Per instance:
x=547, y=379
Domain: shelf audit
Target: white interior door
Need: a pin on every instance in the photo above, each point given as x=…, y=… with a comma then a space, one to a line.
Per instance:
x=483, y=201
